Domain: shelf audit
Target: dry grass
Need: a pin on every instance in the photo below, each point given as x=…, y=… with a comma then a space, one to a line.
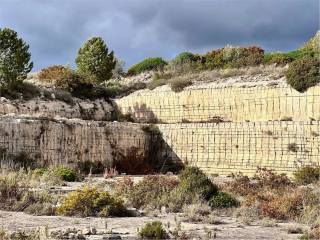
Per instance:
x=274, y=196
x=217, y=75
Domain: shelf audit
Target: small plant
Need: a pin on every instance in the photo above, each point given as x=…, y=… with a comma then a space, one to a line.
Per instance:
x=91, y=202
x=153, y=230
x=67, y=174
x=177, y=85
x=150, y=191
x=196, y=212
x=223, y=200
x=147, y=64
x=303, y=73
x=307, y=175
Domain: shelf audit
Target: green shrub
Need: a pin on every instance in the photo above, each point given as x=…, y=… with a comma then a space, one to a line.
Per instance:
x=307, y=175
x=184, y=58
x=67, y=174
x=177, y=85
x=194, y=181
x=153, y=230
x=15, y=58
x=277, y=58
x=94, y=61
x=303, y=73
x=147, y=64
x=22, y=90
x=91, y=202
x=223, y=200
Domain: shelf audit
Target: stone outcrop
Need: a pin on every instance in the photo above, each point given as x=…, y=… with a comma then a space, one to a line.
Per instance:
x=99, y=110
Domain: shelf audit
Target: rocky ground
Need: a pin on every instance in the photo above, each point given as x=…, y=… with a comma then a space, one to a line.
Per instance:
x=126, y=228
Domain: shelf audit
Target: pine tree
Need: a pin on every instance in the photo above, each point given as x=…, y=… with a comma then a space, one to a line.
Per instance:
x=14, y=58
x=94, y=62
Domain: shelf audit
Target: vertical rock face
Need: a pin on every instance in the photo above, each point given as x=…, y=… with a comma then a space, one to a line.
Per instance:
x=226, y=130
x=68, y=142
x=224, y=148
x=235, y=104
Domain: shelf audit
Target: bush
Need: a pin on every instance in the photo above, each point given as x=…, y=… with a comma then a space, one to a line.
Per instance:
x=229, y=57
x=153, y=230
x=303, y=73
x=184, y=58
x=148, y=193
x=147, y=64
x=268, y=179
x=185, y=62
x=66, y=174
x=223, y=200
x=22, y=90
x=307, y=175
x=194, y=181
x=177, y=85
x=277, y=58
x=283, y=207
x=15, y=196
x=94, y=61
x=15, y=58
x=58, y=75
x=91, y=202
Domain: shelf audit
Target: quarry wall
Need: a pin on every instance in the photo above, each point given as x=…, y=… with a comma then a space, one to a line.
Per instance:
x=225, y=148
x=236, y=104
x=221, y=130
x=67, y=142
x=234, y=129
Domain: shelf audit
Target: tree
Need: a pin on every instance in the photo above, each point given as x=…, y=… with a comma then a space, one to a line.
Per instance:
x=14, y=58
x=94, y=62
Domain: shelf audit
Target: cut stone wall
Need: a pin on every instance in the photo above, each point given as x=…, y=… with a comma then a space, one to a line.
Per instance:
x=235, y=104
x=226, y=148
x=67, y=142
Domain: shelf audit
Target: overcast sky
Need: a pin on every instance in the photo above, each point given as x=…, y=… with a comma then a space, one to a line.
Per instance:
x=136, y=29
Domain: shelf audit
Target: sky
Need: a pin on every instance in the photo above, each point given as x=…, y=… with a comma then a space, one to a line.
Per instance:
x=136, y=29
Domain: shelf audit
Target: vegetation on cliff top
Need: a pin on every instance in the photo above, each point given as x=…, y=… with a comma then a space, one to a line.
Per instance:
x=96, y=65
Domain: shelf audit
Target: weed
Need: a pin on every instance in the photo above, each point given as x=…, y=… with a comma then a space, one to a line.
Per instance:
x=153, y=230
x=307, y=175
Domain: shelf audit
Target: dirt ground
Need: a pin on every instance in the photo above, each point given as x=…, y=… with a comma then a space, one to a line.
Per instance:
x=229, y=228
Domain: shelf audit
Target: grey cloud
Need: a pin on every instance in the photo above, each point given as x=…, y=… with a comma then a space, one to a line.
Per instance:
x=137, y=29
